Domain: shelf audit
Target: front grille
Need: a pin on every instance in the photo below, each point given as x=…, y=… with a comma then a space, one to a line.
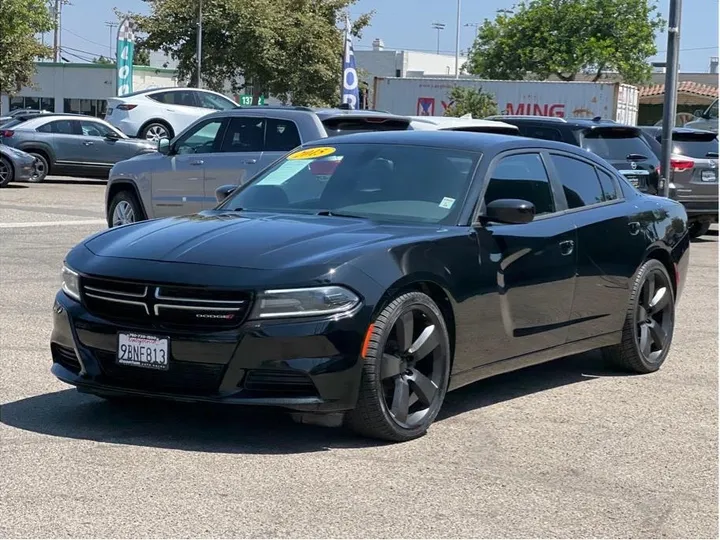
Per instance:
x=194, y=378
x=279, y=382
x=165, y=306
x=66, y=357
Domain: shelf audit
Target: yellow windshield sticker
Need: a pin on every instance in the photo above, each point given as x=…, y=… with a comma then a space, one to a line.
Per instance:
x=313, y=153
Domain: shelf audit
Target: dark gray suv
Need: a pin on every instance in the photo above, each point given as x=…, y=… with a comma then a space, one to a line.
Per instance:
x=226, y=147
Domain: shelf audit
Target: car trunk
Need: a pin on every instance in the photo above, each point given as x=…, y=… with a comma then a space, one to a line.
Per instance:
x=626, y=150
x=695, y=167
x=344, y=123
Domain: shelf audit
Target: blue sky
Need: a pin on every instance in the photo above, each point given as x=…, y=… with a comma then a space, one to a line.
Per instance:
x=403, y=24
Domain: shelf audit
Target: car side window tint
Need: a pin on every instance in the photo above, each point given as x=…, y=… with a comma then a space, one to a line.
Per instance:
x=94, y=129
x=579, y=181
x=211, y=101
x=609, y=186
x=281, y=135
x=538, y=132
x=161, y=97
x=45, y=128
x=204, y=139
x=244, y=134
x=522, y=176
x=62, y=127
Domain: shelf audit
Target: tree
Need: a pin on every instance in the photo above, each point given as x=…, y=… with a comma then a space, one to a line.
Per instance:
x=539, y=38
x=464, y=100
x=20, y=22
x=291, y=49
x=102, y=60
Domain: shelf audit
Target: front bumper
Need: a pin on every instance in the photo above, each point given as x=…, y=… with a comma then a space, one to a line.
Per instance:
x=311, y=366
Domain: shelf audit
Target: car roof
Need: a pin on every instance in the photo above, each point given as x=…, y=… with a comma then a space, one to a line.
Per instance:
x=293, y=111
x=572, y=121
x=678, y=130
x=455, y=140
x=162, y=89
x=41, y=119
x=449, y=121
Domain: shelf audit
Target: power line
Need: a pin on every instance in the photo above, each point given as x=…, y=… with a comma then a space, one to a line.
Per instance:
x=63, y=50
x=84, y=52
x=84, y=38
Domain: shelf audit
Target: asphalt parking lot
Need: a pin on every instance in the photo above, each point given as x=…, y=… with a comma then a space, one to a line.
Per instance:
x=567, y=449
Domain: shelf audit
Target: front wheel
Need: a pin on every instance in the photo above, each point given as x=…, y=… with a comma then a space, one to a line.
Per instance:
x=6, y=172
x=406, y=371
x=124, y=209
x=649, y=322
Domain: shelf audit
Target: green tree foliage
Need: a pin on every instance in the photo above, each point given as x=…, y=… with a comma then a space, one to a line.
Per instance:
x=291, y=49
x=102, y=60
x=538, y=38
x=471, y=101
x=20, y=22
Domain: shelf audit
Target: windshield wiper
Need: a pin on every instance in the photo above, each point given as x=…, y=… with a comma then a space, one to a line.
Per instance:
x=712, y=155
x=333, y=213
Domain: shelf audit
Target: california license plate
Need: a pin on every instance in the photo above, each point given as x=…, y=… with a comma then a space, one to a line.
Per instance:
x=143, y=351
x=708, y=176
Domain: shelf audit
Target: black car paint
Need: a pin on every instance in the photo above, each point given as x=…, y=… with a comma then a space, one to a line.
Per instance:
x=512, y=295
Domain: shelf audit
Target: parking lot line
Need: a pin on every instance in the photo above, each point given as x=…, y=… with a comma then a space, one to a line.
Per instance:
x=26, y=224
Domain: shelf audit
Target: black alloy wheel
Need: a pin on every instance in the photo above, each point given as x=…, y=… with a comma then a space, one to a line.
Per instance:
x=6, y=172
x=406, y=371
x=650, y=321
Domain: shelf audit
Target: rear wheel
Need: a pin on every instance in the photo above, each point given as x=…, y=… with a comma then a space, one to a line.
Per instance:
x=124, y=208
x=156, y=131
x=649, y=322
x=42, y=167
x=699, y=228
x=6, y=172
x=406, y=371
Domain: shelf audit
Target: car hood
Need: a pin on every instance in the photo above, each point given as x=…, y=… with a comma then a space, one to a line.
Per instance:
x=250, y=240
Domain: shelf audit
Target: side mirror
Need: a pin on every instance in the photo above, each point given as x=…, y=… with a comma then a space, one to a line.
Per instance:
x=112, y=136
x=223, y=192
x=164, y=146
x=509, y=211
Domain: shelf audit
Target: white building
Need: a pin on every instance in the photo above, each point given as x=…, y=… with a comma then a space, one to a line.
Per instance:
x=381, y=62
x=80, y=88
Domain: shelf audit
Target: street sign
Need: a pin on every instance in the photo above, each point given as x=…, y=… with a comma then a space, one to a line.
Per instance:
x=247, y=100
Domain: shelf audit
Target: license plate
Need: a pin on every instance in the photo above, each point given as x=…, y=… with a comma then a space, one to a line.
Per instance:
x=708, y=176
x=634, y=180
x=143, y=351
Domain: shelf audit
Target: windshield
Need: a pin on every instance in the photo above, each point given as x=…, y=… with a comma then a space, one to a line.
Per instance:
x=395, y=183
x=696, y=147
x=616, y=145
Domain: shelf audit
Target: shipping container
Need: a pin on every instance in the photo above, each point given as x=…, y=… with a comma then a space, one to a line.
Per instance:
x=430, y=97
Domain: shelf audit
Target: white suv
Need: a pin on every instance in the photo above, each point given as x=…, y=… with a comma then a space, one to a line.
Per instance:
x=162, y=112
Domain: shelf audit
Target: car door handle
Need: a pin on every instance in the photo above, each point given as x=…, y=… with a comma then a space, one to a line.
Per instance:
x=197, y=162
x=634, y=227
x=567, y=247
x=88, y=143
x=249, y=162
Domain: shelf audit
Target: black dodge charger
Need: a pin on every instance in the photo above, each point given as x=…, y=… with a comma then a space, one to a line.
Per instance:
x=364, y=276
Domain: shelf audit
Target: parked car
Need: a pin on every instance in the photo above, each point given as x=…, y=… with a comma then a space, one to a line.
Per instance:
x=365, y=275
x=477, y=125
x=163, y=112
x=20, y=112
x=707, y=119
x=622, y=146
x=72, y=145
x=222, y=148
x=15, y=165
x=693, y=175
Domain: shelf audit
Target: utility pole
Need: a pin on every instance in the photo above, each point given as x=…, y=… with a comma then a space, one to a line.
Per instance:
x=457, y=42
x=56, y=32
x=199, y=45
x=439, y=27
x=671, y=75
x=111, y=26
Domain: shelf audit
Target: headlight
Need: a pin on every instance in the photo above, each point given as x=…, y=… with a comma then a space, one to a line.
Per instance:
x=71, y=283
x=303, y=302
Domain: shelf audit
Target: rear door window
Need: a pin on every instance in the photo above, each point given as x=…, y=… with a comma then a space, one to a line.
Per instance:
x=539, y=132
x=62, y=127
x=616, y=145
x=609, y=186
x=579, y=181
x=244, y=134
x=281, y=135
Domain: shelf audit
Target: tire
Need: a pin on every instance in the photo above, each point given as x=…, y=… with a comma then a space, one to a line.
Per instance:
x=124, y=209
x=392, y=375
x=646, y=325
x=699, y=228
x=154, y=131
x=7, y=173
x=42, y=169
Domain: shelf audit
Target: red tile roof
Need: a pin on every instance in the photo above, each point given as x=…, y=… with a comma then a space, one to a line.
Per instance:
x=686, y=87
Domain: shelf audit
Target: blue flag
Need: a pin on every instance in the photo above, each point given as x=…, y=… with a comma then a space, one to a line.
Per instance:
x=125, y=54
x=349, y=91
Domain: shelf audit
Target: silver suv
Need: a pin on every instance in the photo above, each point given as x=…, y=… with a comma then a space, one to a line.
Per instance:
x=226, y=147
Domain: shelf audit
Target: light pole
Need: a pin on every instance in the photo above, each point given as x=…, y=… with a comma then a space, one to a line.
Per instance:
x=670, y=105
x=457, y=42
x=199, y=45
x=439, y=27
